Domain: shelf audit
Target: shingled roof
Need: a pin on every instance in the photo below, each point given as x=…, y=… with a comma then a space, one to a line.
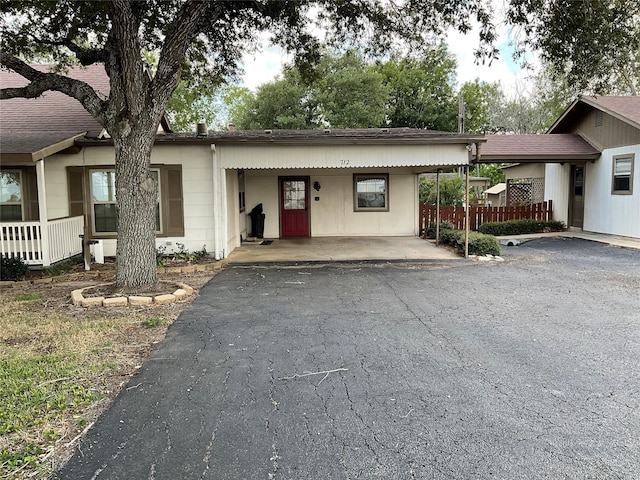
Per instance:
x=32, y=128
x=537, y=148
x=625, y=108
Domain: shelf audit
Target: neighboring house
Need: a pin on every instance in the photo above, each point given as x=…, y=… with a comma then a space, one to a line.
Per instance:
x=602, y=195
x=496, y=196
x=590, y=157
x=58, y=179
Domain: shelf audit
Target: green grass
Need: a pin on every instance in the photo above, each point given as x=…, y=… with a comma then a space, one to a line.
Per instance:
x=57, y=369
x=25, y=456
x=27, y=297
x=153, y=322
x=36, y=390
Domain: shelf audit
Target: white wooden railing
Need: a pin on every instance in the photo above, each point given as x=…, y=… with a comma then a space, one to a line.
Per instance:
x=64, y=238
x=22, y=239
x=25, y=240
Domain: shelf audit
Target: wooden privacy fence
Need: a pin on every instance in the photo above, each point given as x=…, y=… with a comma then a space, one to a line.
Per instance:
x=479, y=215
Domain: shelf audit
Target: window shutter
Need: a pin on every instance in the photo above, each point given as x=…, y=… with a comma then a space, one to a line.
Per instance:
x=30, y=192
x=173, y=204
x=75, y=177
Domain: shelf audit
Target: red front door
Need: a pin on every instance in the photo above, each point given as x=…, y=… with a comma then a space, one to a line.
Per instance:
x=294, y=206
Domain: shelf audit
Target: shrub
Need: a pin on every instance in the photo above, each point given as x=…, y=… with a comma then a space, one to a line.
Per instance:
x=430, y=231
x=12, y=268
x=518, y=227
x=479, y=244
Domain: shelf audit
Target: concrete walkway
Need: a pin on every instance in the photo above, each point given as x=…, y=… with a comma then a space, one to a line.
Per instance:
x=309, y=249
x=614, y=240
x=337, y=249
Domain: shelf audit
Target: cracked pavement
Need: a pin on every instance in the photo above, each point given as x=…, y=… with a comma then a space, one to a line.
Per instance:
x=525, y=369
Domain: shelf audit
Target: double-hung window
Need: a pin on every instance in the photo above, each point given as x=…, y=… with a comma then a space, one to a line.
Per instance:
x=622, y=178
x=11, y=197
x=371, y=193
x=103, y=201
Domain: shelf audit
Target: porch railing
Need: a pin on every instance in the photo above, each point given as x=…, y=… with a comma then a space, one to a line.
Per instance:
x=25, y=240
x=64, y=238
x=479, y=215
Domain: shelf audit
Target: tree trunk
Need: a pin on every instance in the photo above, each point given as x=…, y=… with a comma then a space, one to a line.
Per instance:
x=136, y=196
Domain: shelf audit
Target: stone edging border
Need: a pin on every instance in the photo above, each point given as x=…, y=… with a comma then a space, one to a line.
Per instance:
x=77, y=297
x=219, y=265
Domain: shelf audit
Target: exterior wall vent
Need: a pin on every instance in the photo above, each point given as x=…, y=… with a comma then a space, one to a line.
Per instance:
x=599, y=118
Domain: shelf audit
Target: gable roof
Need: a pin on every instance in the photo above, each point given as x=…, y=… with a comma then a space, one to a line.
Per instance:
x=32, y=128
x=537, y=148
x=624, y=108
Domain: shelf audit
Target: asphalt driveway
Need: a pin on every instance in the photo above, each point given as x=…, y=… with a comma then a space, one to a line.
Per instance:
x=524, y=369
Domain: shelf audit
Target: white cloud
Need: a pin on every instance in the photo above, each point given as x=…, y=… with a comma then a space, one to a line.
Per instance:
x=263, y=66
x=266, y=64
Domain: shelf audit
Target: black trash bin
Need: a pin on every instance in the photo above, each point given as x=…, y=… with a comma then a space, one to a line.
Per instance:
x=257, y=221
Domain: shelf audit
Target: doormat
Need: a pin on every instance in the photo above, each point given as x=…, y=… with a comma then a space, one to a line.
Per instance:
x=266, y=242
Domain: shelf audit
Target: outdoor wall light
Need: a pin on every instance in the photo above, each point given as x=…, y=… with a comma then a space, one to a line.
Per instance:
x=316, y=186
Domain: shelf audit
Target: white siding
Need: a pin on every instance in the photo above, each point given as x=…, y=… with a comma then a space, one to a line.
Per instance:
x=197, y=190
x=525, y=170
x=233, y=207
x=607, y=213
x=332, y=214
x=556, y=188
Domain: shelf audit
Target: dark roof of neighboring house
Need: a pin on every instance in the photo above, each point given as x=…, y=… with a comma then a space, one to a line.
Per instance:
x=30, y=126
x=315, y=137
x=536, y=148
x=625, y=108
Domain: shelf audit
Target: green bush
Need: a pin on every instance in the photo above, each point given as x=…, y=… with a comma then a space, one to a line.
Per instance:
x=12, y=268
x=479, y=244
x=518, y=227
x=430, y=231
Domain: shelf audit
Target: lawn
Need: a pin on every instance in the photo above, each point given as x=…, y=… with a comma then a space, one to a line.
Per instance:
x=60, y=367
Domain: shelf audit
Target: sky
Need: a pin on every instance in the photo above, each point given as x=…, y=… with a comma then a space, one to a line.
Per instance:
x=263, y=66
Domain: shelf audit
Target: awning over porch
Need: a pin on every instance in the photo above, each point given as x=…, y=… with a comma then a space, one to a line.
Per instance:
x=344, y=149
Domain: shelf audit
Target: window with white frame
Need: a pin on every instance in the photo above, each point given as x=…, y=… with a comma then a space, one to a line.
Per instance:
x=11, y=196
x=103, y=201
x=622, y=177
x=371, y=193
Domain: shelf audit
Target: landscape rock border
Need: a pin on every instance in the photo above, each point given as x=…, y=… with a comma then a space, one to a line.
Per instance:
x=69, y=277
x=78, y=298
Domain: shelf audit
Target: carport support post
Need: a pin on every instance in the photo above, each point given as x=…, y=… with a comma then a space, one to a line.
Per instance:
x=466, y=215
x=437, y=207
x=42, y=213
